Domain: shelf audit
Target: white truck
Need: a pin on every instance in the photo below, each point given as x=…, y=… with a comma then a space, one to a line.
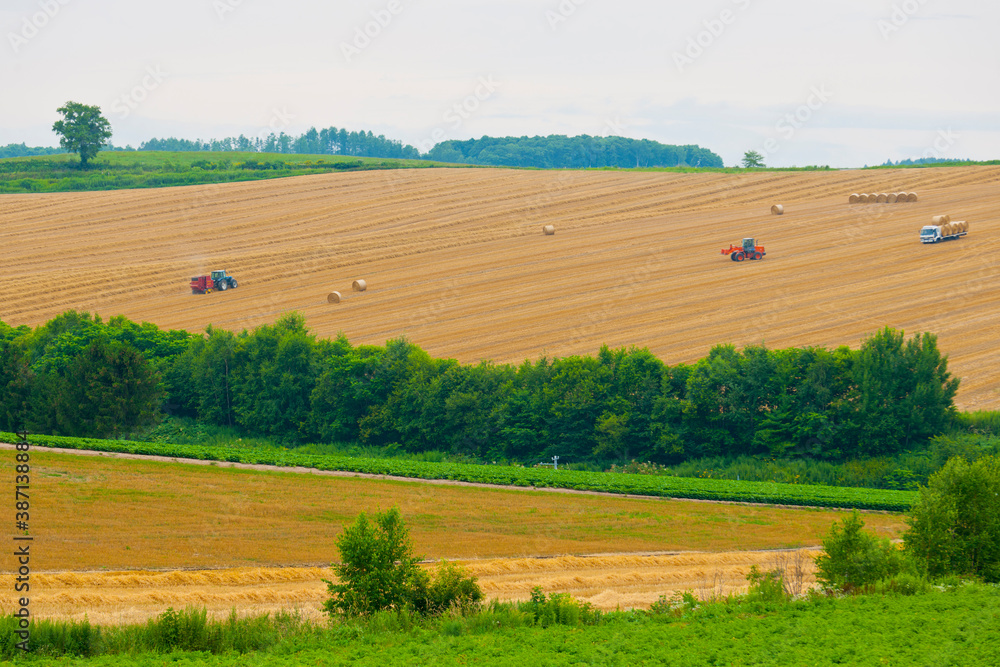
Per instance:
x=943, y=231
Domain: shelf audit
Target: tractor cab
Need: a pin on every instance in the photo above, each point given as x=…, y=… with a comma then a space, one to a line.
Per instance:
x=749, y=245
x=219, y=275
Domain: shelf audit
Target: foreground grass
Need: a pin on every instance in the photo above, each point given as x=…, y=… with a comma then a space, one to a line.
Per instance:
x=115, y=170
x=958, y=626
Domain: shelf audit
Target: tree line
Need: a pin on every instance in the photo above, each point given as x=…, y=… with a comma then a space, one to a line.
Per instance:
x=328, y=141
x=79, y=376
x=559, y=151
x=23, y=150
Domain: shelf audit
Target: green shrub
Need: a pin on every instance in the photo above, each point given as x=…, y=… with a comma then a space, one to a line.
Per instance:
x=954, y=525
x=766, y=586
x=78, y=638
x=852, y=559
x=904, y=583
x=450, y=587
x=377, y=570
x=558, y=609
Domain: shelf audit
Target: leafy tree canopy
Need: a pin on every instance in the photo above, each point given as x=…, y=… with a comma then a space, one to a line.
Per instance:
x=82, y=130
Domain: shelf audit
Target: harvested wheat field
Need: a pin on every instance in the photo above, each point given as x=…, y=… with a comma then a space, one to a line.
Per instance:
x=453, y=260
x=121, y=539
x=607, y=581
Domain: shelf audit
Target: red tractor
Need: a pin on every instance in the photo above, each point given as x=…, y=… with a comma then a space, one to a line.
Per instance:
x=749, y=250
x=217, y=281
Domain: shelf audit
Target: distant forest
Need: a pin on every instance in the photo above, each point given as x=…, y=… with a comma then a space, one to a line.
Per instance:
x=329, y=141
x=552, y=152
x=558, y=151
x=22, y=150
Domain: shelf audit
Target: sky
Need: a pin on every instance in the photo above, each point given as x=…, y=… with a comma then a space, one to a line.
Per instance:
x=846, y=84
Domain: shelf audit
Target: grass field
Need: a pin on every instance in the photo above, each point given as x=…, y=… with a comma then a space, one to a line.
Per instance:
x=455, y=260
x=114, y=170
x=955, y=627
x=103, y=525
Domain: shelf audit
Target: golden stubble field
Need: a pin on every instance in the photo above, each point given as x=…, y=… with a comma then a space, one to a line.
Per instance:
x=456, y=261
x=121, y=539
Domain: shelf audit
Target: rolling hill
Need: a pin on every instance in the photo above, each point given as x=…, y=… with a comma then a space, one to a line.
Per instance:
x=456, y=260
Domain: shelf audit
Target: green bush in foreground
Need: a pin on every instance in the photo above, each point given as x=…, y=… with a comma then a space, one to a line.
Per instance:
x=853, y=560
x=379, y=572
x=955, y=521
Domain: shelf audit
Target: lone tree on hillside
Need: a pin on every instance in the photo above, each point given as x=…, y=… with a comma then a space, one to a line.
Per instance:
x=83, y=130
x=753, y=159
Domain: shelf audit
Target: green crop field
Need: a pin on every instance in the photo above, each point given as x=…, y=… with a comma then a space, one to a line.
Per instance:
x=618, y=483
x=960, y=626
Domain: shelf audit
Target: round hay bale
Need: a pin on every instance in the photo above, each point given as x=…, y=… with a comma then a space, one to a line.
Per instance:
x=872, y=197
x=911, y=196
x=891, y=198
x=854, y=198
x=549, y=230
x=359, y=285
x=941, y=219
x=963, y=226
x=777, y=209
x=863, y=198
x=333, y=297
x=881, y=198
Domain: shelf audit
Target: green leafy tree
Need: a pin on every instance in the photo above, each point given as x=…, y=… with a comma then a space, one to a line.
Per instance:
x=954, y=526
x=378, y=571
x=853, y=559
x=377, y=568
x=15, y=384
x=904, y=392
x=82, y=130
x=752, y=159
x=108, y=390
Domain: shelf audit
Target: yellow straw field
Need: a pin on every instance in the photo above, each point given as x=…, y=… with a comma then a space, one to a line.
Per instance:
x=456, y=260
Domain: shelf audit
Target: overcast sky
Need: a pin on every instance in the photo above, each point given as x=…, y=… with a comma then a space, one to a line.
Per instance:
x=844, y=83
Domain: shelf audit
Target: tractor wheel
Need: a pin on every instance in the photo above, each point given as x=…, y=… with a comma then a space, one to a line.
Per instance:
x=732, y=256
x=223, y=285
x=757, y=255
x=740, y=257
x=232, y=283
